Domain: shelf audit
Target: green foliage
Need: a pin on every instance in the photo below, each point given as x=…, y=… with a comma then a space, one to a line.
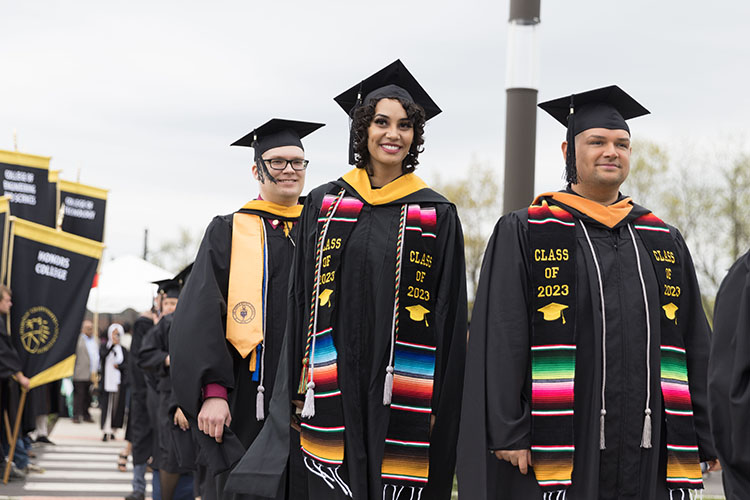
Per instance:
x=478, y=201
x=176, y=253
x=703, y=195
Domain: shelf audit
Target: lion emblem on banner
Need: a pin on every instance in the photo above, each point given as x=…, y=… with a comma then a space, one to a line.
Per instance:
x=39, y=330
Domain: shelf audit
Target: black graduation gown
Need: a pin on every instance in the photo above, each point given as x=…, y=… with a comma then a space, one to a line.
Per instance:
x=139, y=424
x=173, y=443
x=365, y=312
x=200, y=353
x=10, y=364
x=729, y=379
x=497, y=392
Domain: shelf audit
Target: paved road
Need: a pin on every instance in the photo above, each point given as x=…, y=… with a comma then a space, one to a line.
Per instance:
x=78, y=466
x=81, y=466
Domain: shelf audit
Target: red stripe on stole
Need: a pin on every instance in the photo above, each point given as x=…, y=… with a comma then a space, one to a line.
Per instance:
x=649, y=218
x=676, y=394
x=326, y=378
x=412, y=387
x=559, y=394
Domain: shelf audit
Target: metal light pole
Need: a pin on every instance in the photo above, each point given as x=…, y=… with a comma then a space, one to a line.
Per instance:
x=522, y=81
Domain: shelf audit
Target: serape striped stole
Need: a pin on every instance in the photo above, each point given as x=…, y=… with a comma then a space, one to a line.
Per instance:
x=553, y=349
x=552, y=238
x=412, y=361
x=683, y=462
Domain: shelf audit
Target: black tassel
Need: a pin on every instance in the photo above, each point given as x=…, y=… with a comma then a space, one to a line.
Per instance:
x=571, y=175
x=352, y=112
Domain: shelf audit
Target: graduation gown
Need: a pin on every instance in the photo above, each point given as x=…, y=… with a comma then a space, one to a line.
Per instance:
x=139, y=424
x=362, y=335
x=729, y=379
x=10, y=364
x=497, y=394
x=173, y=443
x=200, y=353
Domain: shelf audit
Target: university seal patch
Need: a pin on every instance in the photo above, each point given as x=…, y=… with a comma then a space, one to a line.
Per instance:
x=243, y=313
x=39, y=330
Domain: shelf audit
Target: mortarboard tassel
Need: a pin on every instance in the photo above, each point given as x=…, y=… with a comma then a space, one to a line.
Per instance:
x=571, y=175
x=352, y=159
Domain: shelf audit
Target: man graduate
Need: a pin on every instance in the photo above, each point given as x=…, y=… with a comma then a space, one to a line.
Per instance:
x=230, y=323
x=588, y=348
x=729, y=379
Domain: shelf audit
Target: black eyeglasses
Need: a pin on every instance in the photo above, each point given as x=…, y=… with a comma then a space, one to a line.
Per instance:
x=280, y=164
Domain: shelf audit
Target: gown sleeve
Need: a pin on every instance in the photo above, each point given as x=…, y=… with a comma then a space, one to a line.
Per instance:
x=198, y=352
x=153, y=353
x=451, y=335
x=729, y=371
x=496, y=412
x=10, y=363
x=697, y=337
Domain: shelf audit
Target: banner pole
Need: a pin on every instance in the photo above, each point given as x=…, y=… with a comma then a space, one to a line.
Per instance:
x=14, y=438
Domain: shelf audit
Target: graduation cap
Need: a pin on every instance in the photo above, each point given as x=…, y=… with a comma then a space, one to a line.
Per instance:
x=393, y=81
x=325, y=296
x=417, y=313
x=553, y=311
x=606, y=107
x=671, y=311
x=171, y=287
x=275, y=133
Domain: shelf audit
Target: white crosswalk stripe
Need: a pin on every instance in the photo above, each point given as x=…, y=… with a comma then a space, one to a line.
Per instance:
x=77, y=466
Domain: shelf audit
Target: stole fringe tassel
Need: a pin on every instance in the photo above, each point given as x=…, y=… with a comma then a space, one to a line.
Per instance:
x=330, y=476
x=415, y=493
x=259, y=413
x=555, y=495
x=685, y=494
x=388, y=387
x=308, y=411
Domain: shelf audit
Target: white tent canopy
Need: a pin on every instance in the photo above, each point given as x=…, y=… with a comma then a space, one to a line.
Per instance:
x=125, y=283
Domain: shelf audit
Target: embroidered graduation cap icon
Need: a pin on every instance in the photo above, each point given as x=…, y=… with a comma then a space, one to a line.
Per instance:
x=671, y=311
x=553, y=311
x=417, y=313
x=325, y=297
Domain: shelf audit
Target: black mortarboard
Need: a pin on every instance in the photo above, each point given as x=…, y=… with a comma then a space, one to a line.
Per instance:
x=606, y=107
x=393, y=81
x=171, y=287
x=275, y=133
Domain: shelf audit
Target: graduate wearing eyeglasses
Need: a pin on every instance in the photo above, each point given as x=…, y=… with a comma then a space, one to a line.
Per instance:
x=229, y=327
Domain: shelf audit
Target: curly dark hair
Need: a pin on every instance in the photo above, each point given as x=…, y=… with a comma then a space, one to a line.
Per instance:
x=361, y=121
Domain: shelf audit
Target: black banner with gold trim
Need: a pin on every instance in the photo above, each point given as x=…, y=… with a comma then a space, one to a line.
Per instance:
x=50, y=273
x=84, y=208
x=25, y=180
x=4, y=224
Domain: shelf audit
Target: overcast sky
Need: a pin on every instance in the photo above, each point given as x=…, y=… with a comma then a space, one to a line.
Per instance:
x=144, y=98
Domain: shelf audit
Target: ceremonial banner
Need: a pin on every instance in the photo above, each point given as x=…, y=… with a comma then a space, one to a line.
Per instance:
x=84, y=208
x=4, y=223
x=25, y=181
x=54, y=194
x=50, y=273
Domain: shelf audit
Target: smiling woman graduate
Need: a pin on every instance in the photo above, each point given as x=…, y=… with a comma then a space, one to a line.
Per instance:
x=377, y=317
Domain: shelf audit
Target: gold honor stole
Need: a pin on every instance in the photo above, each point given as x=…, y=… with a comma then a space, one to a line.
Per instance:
x=248, y=276
x=552, y=246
